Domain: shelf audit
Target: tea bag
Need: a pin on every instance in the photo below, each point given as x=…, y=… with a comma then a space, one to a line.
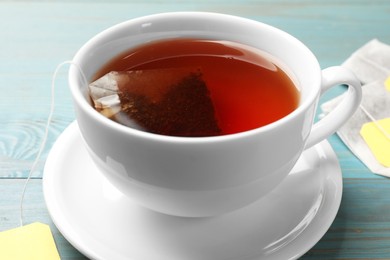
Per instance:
x=173, y=101
x=371, y=64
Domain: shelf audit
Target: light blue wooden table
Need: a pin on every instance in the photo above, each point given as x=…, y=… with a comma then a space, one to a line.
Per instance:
x=35, y=36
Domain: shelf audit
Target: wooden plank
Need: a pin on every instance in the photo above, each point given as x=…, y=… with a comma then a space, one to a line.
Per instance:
x=37, y=35
x=361, y=229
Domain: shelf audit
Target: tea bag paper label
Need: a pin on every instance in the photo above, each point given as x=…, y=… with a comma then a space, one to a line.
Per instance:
x=377, y=141
x=387, y=84
x=30, y=242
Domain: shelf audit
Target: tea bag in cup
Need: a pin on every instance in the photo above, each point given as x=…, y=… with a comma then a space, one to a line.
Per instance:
x=172, y=101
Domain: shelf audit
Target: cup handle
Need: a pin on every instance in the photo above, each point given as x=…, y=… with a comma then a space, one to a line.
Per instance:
x=328, y=125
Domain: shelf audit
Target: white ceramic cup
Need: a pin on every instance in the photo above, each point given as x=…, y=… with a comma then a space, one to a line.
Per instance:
x=206, y=176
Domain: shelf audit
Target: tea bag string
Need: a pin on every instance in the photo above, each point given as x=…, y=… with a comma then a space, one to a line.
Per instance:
x=46, y=133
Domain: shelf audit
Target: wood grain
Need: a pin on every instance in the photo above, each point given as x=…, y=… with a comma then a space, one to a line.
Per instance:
x=35, y=36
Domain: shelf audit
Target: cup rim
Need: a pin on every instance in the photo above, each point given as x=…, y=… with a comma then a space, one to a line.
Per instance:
x=85, y=105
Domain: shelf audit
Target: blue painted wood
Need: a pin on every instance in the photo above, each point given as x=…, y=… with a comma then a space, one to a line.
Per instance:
x=35, y=36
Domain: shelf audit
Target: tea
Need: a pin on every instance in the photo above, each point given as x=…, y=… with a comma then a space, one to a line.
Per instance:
x=196, y=87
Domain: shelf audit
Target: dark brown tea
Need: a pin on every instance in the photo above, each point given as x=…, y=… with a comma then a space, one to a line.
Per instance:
x=194, y=87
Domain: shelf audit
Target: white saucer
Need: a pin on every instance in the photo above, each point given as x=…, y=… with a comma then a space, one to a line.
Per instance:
x=104, y=224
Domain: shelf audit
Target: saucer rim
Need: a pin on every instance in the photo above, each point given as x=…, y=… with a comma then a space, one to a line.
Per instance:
x=71, y=235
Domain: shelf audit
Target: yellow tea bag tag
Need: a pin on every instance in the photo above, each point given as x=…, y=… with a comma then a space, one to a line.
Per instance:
x=30, y=242
x=387, y=84
x=376, y=135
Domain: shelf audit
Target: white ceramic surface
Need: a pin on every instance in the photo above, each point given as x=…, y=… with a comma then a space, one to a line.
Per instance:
x=211, y=175
x=103, y=223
